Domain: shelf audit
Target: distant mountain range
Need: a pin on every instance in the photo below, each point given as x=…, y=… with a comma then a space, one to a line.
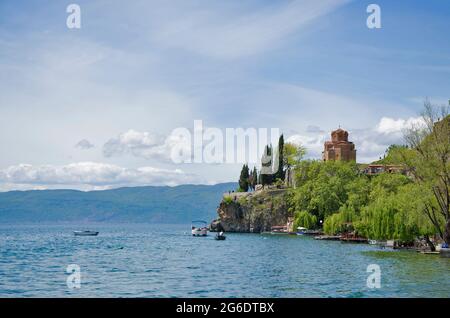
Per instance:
x=179, y=204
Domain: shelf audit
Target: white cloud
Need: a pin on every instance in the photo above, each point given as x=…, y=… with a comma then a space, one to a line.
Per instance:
x=141, y=144
x=90, y=175
x=145, y=145
x=390, y=126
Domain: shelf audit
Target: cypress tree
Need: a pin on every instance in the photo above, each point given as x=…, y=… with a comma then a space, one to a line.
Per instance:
x=280, y=171
x=254, y=178
x=244, y=179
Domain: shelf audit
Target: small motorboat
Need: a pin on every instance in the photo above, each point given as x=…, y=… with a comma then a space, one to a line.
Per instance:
x=301, y=230
x=85, y=233
x=199, y=228
x=220, y=236
x=279, y=230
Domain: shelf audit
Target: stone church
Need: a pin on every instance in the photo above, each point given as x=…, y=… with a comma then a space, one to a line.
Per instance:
x=339, y=148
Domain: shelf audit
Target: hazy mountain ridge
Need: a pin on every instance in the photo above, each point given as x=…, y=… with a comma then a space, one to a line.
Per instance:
x=151, y=204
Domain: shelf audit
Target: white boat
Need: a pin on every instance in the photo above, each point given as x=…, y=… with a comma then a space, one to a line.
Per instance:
x=85, y=233
x=301, y=230
x=220, y=237
x=279, y=230
x=276, y=230
x=199, y=228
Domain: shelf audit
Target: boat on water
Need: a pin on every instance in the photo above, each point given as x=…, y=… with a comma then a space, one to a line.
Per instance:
x=277, y=230
x=220, y=237
x=199, y=228
x=301, y=230
x=312, y=232
x=85, y=233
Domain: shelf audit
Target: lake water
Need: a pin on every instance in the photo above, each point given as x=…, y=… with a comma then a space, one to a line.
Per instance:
x=130, y=260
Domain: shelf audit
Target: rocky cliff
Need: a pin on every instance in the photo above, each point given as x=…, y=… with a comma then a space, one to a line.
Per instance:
x=252, y=212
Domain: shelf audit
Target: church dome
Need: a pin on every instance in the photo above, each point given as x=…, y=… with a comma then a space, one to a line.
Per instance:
x=339, y=148
x=339, y=135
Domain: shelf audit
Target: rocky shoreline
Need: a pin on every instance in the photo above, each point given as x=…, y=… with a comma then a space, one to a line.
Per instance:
x=252, y=212
x=257, y=212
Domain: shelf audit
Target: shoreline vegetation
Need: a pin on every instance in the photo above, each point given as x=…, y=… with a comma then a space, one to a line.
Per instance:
x=410, y=206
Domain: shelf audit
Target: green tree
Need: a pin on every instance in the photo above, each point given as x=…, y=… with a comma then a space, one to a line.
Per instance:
x=244, y=179
x=254, y=178
x=392, y=155
x=335, y=224
x=293, y=154
x=279, y=174
x=322, y=187
x=429, y=162
x=305, y=219
x=412, y=222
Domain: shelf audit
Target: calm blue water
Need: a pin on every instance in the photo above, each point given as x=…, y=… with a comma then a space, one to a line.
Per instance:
x=165, y=261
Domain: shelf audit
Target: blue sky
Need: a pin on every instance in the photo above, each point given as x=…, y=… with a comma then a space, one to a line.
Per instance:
x=136, y=71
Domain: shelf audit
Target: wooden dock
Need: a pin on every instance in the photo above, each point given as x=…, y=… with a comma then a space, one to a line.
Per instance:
x=354, y=240
x=327, y=238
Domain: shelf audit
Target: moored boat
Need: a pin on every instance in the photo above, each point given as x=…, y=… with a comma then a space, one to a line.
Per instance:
x=220, y=237
x=312, y=232
x=277, y=230
x=301, y=230
x=199, y=228
x=85, y=233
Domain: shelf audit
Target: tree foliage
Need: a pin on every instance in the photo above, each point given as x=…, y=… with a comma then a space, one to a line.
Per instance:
x=279, y=174
x=386, y=206
x=322, y=187
x=244, y=179
x=253, y=179
x=429, y=162
x=305, y=219
x=292, y=155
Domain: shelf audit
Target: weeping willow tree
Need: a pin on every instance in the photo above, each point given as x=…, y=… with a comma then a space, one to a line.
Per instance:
x=396, y=215
x=341, y=222
x=334, y=224
x=378, y=220
x=379, y=216
x=305, y=219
